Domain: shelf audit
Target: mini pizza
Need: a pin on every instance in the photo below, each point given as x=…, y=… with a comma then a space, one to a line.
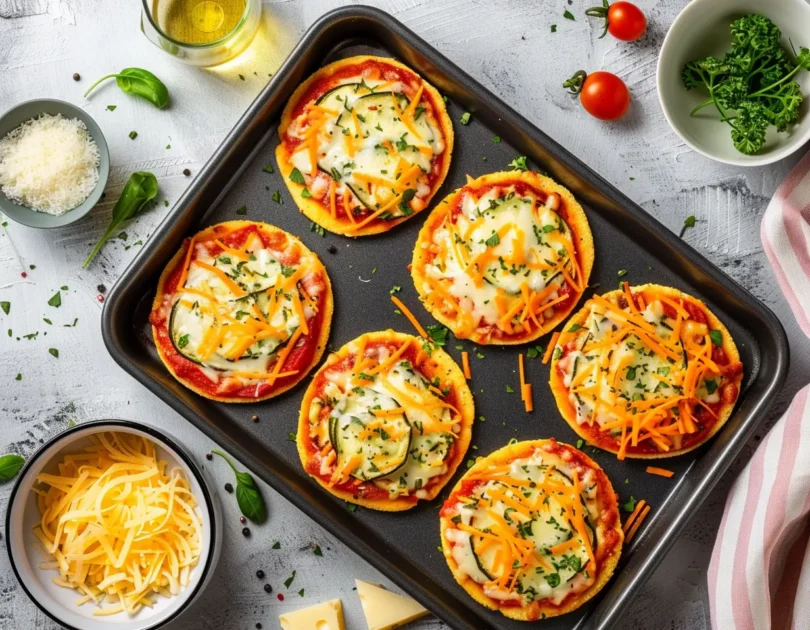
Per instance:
x=386, y=421
x=532, y=530
x=365, y=144
x=645, y=372
x=504, y=259
x=242, y=312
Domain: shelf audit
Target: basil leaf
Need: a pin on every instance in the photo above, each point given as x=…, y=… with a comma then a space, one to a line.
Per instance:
x=296, y=176
x=248, y=496
x=141, y=83
x=10, y=465
x=140, y=188
x=717, y=337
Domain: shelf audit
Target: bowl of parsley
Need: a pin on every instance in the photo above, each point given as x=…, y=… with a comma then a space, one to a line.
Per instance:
x=732, y=78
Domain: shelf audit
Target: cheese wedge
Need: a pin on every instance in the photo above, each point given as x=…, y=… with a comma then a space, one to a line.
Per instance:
x=323, y=616
x=385, y=610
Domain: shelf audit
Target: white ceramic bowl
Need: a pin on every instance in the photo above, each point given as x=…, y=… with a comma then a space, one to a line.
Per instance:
x=26, y=552
x=702, y=29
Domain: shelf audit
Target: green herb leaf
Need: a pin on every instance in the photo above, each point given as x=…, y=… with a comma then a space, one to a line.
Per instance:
x=276, y=545
x=290, y=579
x=568, y=15
x=18, y=377
x=395, y=289
x=182, y=342
x=574, y=328
x=306, y=194
x=465, y=118
x=317, y=551
x=241, y=77
x=553, y=28
x=141, y=188
x=496, y=139
x=318, y=229
x=519, y=163
x=688, y=223
x=56, y=300
x=277, y=196
x=6, y=306
x=248, y=496
x=717, y=337
x=580, y=443
x=268, y=168
x=111, y=107
x=622, y=273
x=630, y=505
x=296, y=176
x=10, y=465
x=510, y=389
x=437, y=333
x=133, y=135
x=54, y=352
x=139, y=82
x=493, y=240
x=242, y=210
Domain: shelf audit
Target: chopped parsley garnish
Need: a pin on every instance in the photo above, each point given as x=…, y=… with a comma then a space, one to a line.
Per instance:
x=242, y=210
x=318, y=229
x=395, y=289
x=568, y=15
x=6, y=306
x=269, y=169
x=553, y=579
x=291, y=437
x=574, y=328
x=277, y=196
x=404, y=206
x=296, y=176
x=182, y=342
x=622, y=273
x=519, y=163
x=56, y=300
x=493, y=240
x=287, y=271
x=276, y=545
x=289, y=580
x=535, y=352
x=553, y=28
x=54, y=352
x=688, y=223
x=133, y=135
x=306, y=194
x=630, y=505
x=465, y=118
x=580, y=443
x=496, y=139
x=111, y=108
x=717, y=337
x=317, y=551
x=510, y=389
x=438, y=334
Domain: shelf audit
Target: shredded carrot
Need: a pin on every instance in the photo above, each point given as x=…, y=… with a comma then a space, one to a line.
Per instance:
x=527, y=397
x=629, y=536
x=522, y=373
x=465, y=362
x=629, y=522
x=407, y=313
x=550, y=348
x=662, y=472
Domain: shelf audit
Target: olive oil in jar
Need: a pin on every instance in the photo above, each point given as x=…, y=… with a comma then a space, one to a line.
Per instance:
x=198, y=21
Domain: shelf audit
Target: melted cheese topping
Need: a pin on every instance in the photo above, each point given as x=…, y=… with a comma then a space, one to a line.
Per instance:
x=637, y=373
x=525, y=534
x=388, y=423
x=502, y=262
x=120, y=526
x=370, y=144
x=237, y=307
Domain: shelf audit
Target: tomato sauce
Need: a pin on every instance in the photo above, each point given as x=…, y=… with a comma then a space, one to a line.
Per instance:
x=298, y=359
x=365, y=489
x=410, y=81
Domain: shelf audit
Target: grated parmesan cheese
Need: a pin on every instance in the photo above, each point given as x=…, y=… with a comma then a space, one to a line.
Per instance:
x=120, y=527
x=49, y=164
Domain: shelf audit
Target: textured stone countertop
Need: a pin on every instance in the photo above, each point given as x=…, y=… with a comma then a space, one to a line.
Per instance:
x=508, y=46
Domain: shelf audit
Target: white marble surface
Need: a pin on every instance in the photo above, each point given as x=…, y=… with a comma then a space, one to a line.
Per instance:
x=508, y=46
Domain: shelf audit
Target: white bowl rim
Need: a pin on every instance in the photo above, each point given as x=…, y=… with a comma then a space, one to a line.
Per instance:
x=159, y=437
x=754, y=160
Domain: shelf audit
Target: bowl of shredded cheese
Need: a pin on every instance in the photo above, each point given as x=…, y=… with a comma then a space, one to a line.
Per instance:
x=112, y=523
x=54, y=163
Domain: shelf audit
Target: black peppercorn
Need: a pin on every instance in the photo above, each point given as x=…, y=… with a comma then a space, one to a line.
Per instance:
x=246, y=532
x=209, y=456
x=228, y=488
x=332, y=249
x=268, y=588
x=186, y=172
x=101, y=288
x=258, y=626
x=76, y=76
x=260, y=574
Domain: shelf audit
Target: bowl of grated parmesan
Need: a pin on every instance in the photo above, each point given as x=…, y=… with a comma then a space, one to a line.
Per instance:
x=112, y=523
x=54, y=163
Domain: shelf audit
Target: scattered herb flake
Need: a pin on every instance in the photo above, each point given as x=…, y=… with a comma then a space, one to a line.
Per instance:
x=47, y=321
x=291, y=437
x=54, y=352
x=568, y=15
x=277, y=196
x=56, y=300
x=318, y=229
x=276, y=545
x=496, y=139
x=111, y=108
x=306, y=194
x=716, y=337
x=580, y=443
x=241, y=210
x=317, y=551
x=622, y=273
x=133, y=135
x=465, y=118
x=395, y=289
x=553, y=28
x=519, y=163
x=18, y=377
x=269, y=168
x=510, y=389
x=630, y=505
x=290, y=579
x=688, y=223
x=241, y=77
x=6, y=306
x=296, y=176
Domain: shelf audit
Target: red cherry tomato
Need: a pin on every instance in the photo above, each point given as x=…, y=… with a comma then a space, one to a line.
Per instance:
x=604, y=96
x=626, y=21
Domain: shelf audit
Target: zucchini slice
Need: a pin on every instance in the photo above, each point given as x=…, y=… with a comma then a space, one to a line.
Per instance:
x=371, y=446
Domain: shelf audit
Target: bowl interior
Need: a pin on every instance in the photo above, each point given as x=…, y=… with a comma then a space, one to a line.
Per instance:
x=27, y=552
x=702, y=29
x=28, y=110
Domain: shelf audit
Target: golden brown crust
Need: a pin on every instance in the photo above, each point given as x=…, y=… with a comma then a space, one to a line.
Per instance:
x=561, y=393
x=505, y=455
x=313, y=210
x=323, y=336
x=576, y=219
x=441, y=364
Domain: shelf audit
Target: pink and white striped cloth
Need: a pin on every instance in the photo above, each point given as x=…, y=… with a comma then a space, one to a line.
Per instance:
x=759, y=576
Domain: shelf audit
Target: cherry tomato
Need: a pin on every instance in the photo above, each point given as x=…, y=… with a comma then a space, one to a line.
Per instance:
x=626, y=21
x=623, y=20
x=604, y=96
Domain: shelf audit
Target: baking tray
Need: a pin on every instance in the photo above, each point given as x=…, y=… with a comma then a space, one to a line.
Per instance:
x=404, y=545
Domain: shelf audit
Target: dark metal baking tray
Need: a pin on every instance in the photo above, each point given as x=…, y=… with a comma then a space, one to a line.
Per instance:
x=404, y=545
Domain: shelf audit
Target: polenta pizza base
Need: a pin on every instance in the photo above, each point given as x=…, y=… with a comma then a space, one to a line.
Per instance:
x=385, y=422
x=668, y=371
x=504, y=259
x=532, y=530
x=365, y=143
x=242, y=312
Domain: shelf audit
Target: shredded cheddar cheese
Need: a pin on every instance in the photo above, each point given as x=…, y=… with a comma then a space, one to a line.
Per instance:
x=119, y=525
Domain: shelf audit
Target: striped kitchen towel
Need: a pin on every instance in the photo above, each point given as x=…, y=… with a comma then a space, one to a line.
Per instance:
x=759, y=576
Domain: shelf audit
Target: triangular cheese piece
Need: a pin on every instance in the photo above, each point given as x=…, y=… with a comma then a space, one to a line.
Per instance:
x=385, y=610
x=325, y=616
